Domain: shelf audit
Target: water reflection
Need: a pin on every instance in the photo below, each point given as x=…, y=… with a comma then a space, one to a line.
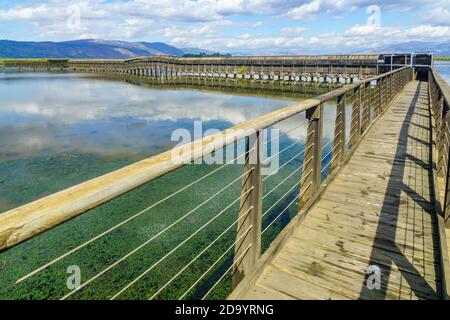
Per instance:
x=60, y=129
x=443, y=67
x=78, y=114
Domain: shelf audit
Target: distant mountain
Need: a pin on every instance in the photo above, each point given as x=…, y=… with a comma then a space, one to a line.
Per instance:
x=439, y=49
x=85, y=49
x=196, y=51
x=125, y=49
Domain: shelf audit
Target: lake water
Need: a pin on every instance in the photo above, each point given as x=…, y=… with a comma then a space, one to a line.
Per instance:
x=57, y=130
x=60, y=129
x=444, y=69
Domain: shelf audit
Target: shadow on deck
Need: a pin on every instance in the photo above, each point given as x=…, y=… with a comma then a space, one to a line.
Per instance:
x=377, y=215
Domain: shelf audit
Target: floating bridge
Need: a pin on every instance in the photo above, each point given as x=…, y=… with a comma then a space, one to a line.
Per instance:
x=370, y=205
x=315, y=68
x=311, y=68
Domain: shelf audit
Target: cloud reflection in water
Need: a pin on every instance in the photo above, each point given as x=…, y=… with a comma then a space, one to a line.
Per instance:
x=62, y=113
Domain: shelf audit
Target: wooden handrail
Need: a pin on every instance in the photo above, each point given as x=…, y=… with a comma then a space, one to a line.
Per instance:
x=311, y=187
x=29, y=220
x=244, y=59
x=444, y=87
x=440, y=98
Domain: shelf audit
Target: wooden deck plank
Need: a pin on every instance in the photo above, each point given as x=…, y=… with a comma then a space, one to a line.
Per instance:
x=378, y=211
x=363, y=252
x=348, y=277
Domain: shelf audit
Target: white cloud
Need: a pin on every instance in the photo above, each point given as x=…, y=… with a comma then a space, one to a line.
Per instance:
x=293, y=32
x=361, y=30
x=214, y=25
x=439, y=16
x=391, y=6
x=427, y=32
x=305, y=10
x=24, y=13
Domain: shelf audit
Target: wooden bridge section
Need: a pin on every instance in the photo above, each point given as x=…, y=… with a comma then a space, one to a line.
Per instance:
x=300, y=68
x=379, y=211
x=372, y=227
x=323, y=68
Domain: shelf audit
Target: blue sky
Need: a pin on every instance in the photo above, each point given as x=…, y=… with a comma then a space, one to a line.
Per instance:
x=248, y=26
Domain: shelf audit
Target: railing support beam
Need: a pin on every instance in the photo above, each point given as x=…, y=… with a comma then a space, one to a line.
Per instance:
x=378, y=107
x=446, y=209
x=441, y=135
x=365, y=118
x=355, y=126
x=249, y=210
x=312, y=161
x=27, y=221
x=339, y=133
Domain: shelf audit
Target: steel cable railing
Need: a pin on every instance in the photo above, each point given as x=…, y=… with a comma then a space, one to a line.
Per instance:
x=267, y=160
x=331, y=152
x=349, y=99
x=444, y=146
x=243, y=216
x=326, y=146
x=217, y=261
x=309, y=180
x=84, y=244
x=236, y=261
x=279, y=200
x=181, y=243
x=290, y=190
x=296, y=170
x=328, y=154
x=325, y=167
x=282, y=181
x=287, y=207
x=285, y=164
x=302, y=125
x=154, y=237
x=352, y=131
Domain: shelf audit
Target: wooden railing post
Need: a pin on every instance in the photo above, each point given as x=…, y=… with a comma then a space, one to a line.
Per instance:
x=446, y=209
x=394, y=89
x=389, y=91
x=378, y=107
x=394, y=85
x=401, y=79
x=436, y=107
x=434, y=97
x=441, y=119
x=249, y=224
x=339, y=133
x=355, y=126
x=441, y=136
x=409, y=76
x=386, y=92
x=395, y=76
x=365, y=118
x=383, y=94
x=312, y=161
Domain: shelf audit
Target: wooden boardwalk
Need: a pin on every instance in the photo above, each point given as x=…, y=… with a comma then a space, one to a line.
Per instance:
x=379, y=211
